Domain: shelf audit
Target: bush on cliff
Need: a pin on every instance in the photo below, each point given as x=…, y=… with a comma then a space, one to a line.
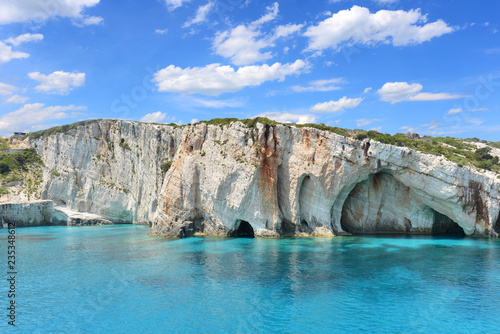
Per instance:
x=18, y=160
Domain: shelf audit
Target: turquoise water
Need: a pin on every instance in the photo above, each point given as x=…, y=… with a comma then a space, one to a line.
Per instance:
x=116, y=279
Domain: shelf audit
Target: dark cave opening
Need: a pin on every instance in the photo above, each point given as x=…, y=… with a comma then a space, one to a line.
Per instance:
x=244, y=230
x=287, y=228
x=443, y=225
x=375, y=206
x=496, y=227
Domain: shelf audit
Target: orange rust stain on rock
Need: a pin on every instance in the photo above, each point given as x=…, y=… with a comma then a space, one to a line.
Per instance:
x=377, y=180
x=268, y=168
x=473, y=197
x=306, y=135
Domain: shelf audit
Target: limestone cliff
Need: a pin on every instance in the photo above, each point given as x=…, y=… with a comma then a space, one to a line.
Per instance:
x=269, y=180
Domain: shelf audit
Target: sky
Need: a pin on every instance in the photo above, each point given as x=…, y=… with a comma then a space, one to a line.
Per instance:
x=429, y=67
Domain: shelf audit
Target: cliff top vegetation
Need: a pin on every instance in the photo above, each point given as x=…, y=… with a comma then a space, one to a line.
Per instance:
x=470, y=151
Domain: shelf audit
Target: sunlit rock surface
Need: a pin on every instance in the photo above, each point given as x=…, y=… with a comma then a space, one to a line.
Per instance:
x=280, y=180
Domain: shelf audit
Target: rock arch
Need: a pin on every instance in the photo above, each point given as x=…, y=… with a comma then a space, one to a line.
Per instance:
x=382, y=204
x=243, y=229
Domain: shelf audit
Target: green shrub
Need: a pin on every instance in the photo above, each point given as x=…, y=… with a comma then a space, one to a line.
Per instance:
x=4, y=144
x=361, y=135
x=4, y=168
x=124, y=144
x=18, y=160
x=56, y=173
x=4, y=190
x=166, y=166
x=62, y=128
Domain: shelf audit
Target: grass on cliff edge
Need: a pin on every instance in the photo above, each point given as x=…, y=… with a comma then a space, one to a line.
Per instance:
x=461, y=151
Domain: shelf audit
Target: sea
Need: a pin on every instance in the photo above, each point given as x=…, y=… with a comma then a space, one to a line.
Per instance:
x=117, y=279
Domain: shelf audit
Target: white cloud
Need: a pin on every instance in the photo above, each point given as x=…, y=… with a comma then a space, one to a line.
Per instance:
x=285, y=117
x=58, y=82
x=87, y=21
x=6, y=54
x=39, y=11
x=358, y=26
x=194, y=121
x=367, y=90
x=173, y=4
x=227, y=103
x=454, y=111
x=408, y=128
x=6, y=89
x=17, y=99
x=272, y=13
x=154, y=117
x=201, y=14
x=34, y=115
x=24, y=38
x=402, y=91
x=336, y=106
x=284, y=31
x=161, y=31
x=215, y=79
x=244, y=43
x=320, y=86
x=365, y=122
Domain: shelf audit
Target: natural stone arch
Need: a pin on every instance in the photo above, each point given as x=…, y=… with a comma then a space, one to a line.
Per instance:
x=243, y=229
x=312, y=206
x=382, y=203
x=304, y=203
x=444, y=225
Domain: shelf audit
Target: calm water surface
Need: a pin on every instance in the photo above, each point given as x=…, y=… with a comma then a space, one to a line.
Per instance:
x=116, y=279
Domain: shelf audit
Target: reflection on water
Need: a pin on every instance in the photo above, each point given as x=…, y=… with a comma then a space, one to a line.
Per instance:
x=116, y=279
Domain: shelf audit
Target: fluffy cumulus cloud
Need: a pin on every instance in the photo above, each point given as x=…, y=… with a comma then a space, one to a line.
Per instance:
x=154, y=117
x=35, y=115
x=201, y=14
x=336, y=106
x=7, y=54
x=39, y=11
x=58, y=82
x=24, y=38
x=358, y=26
x=244, y=44
x=215, y=79
x=320, y=86
x=394, y=92
x=286, y=117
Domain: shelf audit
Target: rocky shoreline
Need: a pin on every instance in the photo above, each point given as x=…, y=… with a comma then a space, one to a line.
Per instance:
x=261, y=180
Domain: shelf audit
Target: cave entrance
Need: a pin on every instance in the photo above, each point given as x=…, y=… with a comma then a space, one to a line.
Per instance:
x=497, y=224
x=444, y=226
x=244, y=230
x=382, y=204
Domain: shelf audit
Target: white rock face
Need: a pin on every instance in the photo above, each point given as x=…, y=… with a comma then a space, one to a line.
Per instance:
x=280, y=180
x=111, y=168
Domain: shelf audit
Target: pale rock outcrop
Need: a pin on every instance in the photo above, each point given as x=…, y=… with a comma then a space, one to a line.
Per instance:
x=265, y=180
x=112, y=168
x=45, y=213
x=284, y=180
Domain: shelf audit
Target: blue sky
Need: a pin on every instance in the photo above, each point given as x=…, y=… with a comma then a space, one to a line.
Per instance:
x=395, y=66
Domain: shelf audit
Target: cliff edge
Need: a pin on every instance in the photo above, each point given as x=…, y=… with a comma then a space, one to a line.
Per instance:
x=266, y=180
